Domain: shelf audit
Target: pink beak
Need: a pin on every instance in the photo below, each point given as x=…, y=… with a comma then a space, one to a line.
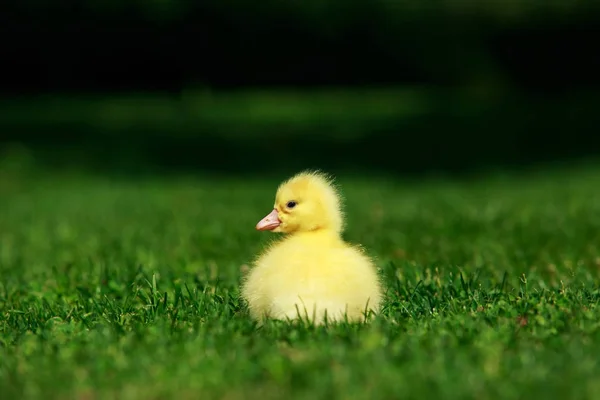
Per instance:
x=269, y=222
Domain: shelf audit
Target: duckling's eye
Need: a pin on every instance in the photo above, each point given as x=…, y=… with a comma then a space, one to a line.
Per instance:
x=291, y=204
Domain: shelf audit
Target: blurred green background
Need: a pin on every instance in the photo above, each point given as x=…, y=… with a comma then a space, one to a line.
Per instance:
x=230, y=86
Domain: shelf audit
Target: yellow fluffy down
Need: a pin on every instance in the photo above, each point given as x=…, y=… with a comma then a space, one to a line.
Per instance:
x=311, y=273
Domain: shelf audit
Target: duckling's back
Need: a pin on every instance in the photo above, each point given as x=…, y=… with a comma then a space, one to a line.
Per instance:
x=314, y=273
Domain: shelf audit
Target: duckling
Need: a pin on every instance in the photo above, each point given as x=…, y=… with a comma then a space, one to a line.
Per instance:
x=311, y=273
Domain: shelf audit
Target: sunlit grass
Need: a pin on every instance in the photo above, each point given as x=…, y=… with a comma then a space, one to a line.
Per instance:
x=129, y=289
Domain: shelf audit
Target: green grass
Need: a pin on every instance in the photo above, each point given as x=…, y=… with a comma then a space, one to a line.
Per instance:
x=121, y=289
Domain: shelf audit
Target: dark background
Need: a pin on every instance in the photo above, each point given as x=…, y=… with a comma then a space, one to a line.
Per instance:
x=234, y=86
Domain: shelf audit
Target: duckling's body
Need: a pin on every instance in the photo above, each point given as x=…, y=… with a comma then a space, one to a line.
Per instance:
x=312, y=272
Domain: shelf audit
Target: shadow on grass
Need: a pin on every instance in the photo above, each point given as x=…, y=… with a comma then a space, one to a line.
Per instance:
x=450, y=135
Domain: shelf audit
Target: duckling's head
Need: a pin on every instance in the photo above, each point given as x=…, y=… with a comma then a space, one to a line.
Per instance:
x=306, y=202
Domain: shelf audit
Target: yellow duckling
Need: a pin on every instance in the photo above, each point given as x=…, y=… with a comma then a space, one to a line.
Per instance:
x=312, y=273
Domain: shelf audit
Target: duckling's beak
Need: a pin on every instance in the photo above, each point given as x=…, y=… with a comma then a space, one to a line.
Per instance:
x=269, y=222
